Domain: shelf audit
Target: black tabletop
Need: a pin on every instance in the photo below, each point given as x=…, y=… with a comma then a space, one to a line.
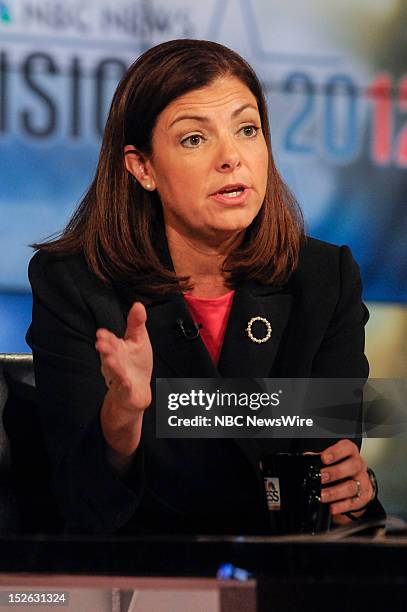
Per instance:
x=314, y=557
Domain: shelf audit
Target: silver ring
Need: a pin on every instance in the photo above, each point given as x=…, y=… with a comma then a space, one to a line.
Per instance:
x=358, y=488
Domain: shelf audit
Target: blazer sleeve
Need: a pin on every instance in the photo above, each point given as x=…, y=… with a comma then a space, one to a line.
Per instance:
x=71, y=390
x=342, y=351
x=341, y=354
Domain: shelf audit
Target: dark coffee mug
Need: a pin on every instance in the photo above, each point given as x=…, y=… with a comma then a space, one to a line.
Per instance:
x=293, y=490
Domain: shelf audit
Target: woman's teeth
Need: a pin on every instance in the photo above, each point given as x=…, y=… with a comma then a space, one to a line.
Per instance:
x=232, y=194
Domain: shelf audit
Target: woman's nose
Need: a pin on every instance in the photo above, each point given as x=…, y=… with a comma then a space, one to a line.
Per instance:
x=228, y=158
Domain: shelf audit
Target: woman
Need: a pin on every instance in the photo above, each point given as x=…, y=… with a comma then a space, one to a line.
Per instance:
x=187, y=221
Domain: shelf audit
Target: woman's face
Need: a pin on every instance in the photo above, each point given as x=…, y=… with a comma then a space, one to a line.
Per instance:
x=209, y=161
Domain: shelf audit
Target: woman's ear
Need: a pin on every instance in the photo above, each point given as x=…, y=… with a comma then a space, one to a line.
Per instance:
x=137, y=164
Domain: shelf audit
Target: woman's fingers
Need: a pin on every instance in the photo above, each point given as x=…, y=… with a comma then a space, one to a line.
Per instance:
x=338, y=451
x=104, y=347
x=345, y=469
x=342, y=460
x=351, y=502
x=350, y=488
x=112, y=367
x=105, y=334
x=106, y=342
x=344, y=463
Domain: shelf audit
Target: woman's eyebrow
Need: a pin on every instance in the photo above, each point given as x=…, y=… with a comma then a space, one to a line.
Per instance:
x=200, y=118
x=203, y=119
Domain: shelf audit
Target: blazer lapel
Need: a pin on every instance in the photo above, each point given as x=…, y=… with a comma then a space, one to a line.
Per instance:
x=187, y=358
x=240, y=356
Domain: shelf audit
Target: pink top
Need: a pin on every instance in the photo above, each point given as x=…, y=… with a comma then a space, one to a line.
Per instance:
x=213, y=314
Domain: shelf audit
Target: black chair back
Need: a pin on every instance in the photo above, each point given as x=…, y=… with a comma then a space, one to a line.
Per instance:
x=28, y=461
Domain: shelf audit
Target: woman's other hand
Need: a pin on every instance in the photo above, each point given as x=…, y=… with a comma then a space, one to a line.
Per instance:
x=344, y=463
x=126, y=365
x=127, y=362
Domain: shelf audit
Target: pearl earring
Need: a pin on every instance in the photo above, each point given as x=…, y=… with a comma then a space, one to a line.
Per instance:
x=148, y=186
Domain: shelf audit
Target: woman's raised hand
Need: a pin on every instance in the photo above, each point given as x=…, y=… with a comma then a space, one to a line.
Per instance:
x=127, y=363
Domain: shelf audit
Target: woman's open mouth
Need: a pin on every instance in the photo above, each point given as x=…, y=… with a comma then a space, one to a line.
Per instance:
x=232, y=194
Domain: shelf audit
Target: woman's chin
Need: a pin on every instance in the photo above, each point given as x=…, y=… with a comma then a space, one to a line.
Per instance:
x=239, y=222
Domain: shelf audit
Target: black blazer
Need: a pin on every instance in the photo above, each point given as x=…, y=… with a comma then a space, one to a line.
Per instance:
x=198, y=485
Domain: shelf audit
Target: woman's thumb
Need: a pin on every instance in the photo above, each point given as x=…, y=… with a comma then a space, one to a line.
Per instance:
x=135, y=321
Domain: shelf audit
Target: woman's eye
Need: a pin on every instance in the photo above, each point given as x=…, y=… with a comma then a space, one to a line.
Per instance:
x=192, y=141
x=250, y=130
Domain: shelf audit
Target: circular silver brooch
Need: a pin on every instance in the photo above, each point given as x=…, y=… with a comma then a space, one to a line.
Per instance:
x=267, y=326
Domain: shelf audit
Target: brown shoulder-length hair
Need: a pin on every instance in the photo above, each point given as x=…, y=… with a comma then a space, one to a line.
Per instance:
x=115, y=224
